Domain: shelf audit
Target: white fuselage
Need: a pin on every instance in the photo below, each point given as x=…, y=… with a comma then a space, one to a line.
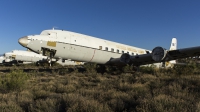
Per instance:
x=79, y=47
x=26, y=57
x=2, y=58
x=23, y=56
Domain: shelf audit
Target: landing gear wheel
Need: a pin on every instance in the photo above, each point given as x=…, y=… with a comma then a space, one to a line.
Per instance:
x=50, y=60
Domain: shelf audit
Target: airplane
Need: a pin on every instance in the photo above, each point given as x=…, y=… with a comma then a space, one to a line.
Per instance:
x=79, y=47
x=2, y=58
x=17, y=57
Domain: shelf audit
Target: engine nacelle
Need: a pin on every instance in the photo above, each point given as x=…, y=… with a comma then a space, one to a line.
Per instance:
x=123, y=60
x=158, y=54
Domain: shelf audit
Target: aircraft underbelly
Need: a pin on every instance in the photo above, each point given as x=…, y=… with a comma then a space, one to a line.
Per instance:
x=74, y=52
x=85, y=54
x=103, y=57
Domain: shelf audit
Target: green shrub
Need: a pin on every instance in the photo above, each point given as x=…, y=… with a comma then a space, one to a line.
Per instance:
x=16, y=80
x=10, y=107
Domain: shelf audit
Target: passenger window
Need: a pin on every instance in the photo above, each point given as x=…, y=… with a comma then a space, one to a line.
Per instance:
x=132, y=54
x=122, y=52
x=112, y=49
x=117, y=51
x=100, y=47
x=127, y=52
x=106, y=48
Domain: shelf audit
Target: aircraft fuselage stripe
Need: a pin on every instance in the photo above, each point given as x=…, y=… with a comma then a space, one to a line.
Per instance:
x=93, y=55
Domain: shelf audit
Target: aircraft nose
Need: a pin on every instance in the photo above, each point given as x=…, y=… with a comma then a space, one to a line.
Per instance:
x=23, y=41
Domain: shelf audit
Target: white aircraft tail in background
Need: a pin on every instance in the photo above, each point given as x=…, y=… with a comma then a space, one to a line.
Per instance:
x=172, y=47
x=168, y=64
x=173, y=44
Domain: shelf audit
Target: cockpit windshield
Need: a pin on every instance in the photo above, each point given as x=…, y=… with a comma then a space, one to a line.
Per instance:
x=45, y=33
x=49, y=33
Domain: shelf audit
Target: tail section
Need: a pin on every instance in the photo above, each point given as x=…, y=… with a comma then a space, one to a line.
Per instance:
x=173, y=44
x=172, y=47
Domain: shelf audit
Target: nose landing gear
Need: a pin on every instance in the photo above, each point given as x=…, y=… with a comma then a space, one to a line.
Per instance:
x=50, y=53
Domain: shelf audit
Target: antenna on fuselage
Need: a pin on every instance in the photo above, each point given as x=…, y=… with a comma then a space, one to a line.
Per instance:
x=54, y=28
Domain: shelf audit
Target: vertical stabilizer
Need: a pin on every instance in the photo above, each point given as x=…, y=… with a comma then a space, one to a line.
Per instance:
x=172, y=47
x=173, y=44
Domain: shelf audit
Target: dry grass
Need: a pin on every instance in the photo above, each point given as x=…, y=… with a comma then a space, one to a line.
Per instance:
x=148, y=90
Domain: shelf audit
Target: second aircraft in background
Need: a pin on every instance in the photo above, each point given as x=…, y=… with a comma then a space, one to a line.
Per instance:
x=17, y=57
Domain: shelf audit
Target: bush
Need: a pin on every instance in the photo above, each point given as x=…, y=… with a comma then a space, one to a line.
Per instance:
x=16, y=80
x=147, y=69
x=78, y=103
x=10, y=107
x=90, y=67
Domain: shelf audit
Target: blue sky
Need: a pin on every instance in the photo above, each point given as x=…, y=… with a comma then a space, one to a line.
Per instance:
x=140, y=23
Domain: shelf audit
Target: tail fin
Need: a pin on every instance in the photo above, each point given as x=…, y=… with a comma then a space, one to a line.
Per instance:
x=172, y=47
x=173, y=44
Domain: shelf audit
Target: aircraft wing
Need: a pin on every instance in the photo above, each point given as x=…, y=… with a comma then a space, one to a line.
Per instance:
x=160, y=54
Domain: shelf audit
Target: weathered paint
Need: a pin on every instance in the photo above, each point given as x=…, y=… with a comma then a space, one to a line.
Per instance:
x=121, y=47
x=132, y=50
x=141, y=51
